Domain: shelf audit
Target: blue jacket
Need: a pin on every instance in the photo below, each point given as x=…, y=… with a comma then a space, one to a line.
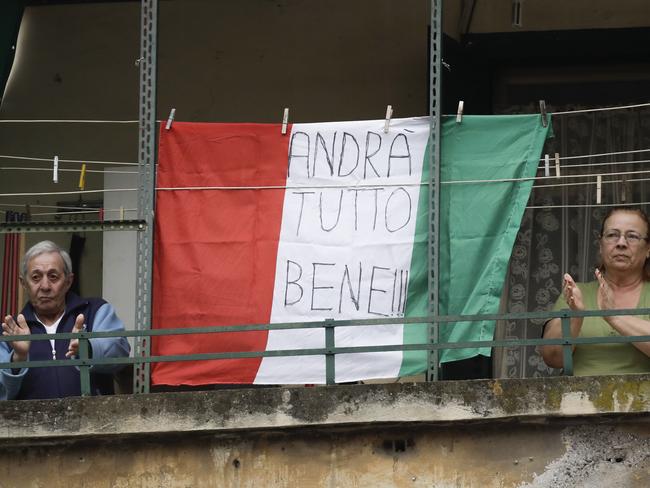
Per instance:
x=64, y=381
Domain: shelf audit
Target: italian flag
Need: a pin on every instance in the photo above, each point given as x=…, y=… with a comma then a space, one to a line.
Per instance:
x=328, y=221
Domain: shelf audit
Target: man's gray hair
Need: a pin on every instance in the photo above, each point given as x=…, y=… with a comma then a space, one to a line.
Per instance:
x=42, y=248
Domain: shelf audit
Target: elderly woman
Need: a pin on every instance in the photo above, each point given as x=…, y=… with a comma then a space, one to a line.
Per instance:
x=622, y=281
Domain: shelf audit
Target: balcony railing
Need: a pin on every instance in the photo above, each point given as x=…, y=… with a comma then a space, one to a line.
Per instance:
x=84, y=362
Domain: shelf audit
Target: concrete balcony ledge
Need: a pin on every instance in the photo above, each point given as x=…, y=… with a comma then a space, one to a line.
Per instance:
x=232, y=410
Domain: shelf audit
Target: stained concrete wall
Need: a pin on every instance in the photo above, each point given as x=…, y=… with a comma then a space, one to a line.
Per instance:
x=489, y=16
x=218, y=61
x=560, y=432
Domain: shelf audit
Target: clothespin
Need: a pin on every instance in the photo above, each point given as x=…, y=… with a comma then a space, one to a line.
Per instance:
x=599, y=189
x=170, y=119
x=285, y=120
x=82, y=177
x=542, y=109
x=547, y=169
x=121, y=213
x=557, y=165
x=389, y=115
x=624, y=190
x=516, y=13
x=459, y=114
x=101, y=214
x=55, y=170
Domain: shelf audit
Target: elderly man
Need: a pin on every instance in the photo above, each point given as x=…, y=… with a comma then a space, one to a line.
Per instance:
x=46, y=275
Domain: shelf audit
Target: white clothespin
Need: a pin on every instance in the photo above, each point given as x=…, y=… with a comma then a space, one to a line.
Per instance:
x=389, y=115
x=599, y=189
x=170, y=119
x=547, y=168
x=624, y=190
x=121, y=213
x=459, y=113
x=557, y=165
x=542, y=109
x=55, y=170
x=285, y=120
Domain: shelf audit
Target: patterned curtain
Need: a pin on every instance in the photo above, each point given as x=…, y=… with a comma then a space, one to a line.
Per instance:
x=560, y=228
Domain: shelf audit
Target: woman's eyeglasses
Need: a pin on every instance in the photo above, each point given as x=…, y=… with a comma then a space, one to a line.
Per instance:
x=632, y=238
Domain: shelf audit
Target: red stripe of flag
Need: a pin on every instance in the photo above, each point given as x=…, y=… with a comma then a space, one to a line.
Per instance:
x=215, y=250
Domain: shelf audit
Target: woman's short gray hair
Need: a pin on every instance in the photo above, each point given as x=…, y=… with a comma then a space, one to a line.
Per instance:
x=42, y=248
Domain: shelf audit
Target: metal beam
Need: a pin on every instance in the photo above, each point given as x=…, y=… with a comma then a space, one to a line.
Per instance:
x=435, y=73
x=80, y=226
x=146, y=186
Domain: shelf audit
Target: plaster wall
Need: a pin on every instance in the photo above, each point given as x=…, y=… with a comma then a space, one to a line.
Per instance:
x=555, y=433
x=226, y=61
x=552, y=456
x=492, y=16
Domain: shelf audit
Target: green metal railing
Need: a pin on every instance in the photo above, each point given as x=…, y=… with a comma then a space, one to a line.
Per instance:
x=84, y=362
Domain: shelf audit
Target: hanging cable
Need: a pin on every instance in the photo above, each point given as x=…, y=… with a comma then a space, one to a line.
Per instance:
x=62, y=207
x=505, y=180
x=301, y=187
x=603, y=109
x=582, y=156
x=588, y=205
x=89, y=121
x=86, y=211
x=69, y=170
x=615, y=163
x=81, y=161
x=54, y=193
x=69, y=121
x=583, y=183
x=78, y=161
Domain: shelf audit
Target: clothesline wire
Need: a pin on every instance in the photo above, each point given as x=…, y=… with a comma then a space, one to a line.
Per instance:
x=60, y=207
x=532, y=207
x=314, y=187
x=66, y=121
x=79, y=161
x=69, y=170
x=588, y=205
x=76, y=192
x=583, y=183
x=505, y=180
x=598, y=155
x=603, y=109
x=79, y=212
x=501, y=180
x=614, y=163
x=76, y=170
x=542, y=160
x=90, y=211
x=83, y=121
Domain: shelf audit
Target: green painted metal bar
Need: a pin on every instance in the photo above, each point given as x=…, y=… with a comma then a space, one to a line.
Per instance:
x=319, y=351
x=84, y=370
x=341, y=323
x=80, y=226
x=338, y=323
x=435, y=64
x=567, y=348
x=146, y=184
x=330, y=348
x=395, y=347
